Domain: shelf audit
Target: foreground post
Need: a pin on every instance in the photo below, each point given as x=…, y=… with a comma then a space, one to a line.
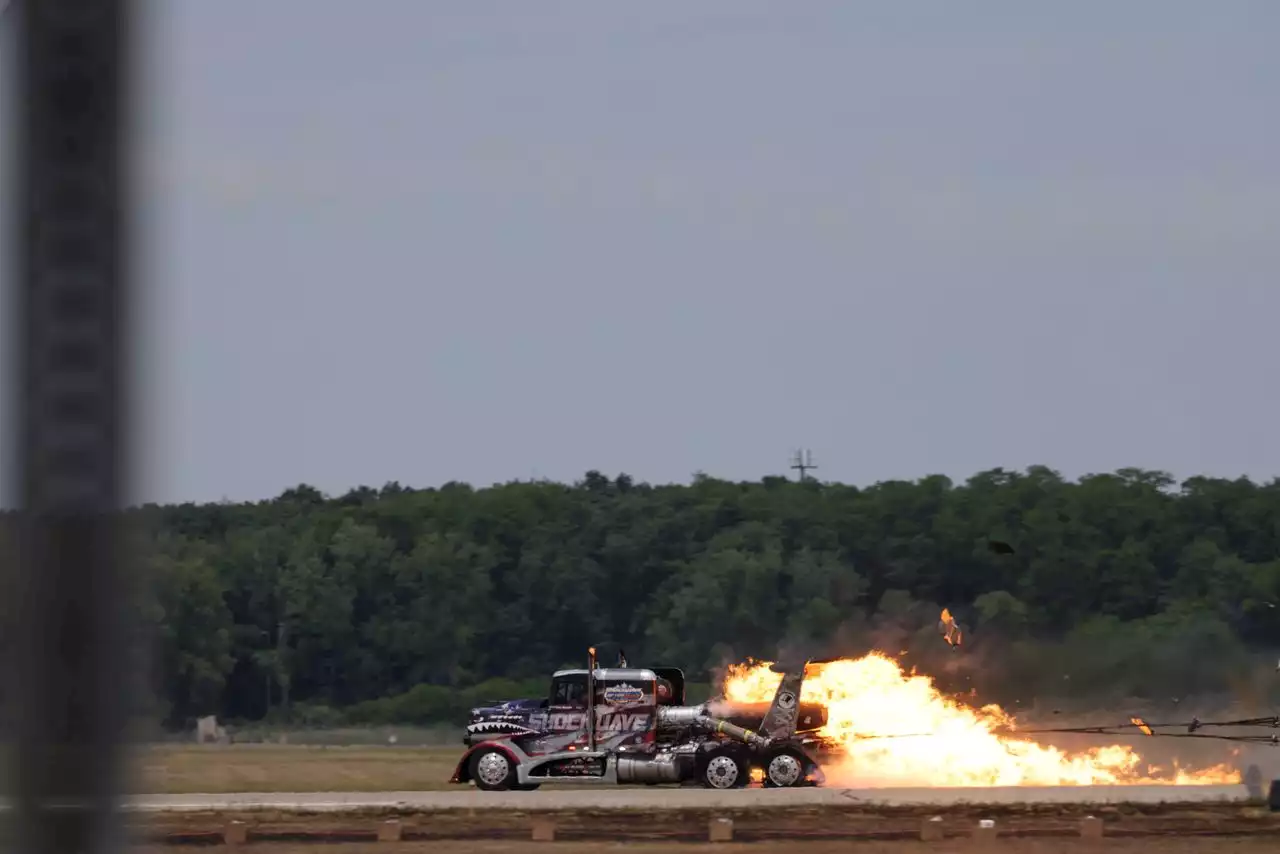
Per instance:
x=390, y=830
x=1253, y=782
x=544, y=828
x=931, y=829
x=1091, y=828
x=71, y=210
x=720, y=830
x=235, y=833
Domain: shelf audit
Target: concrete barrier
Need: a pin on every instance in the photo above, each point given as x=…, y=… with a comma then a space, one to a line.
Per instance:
x=662, y=798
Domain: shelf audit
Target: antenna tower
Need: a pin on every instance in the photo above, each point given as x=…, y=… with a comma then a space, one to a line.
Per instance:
x=802, y=461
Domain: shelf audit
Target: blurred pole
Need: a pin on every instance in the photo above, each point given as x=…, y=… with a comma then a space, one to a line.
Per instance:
x=72, y=199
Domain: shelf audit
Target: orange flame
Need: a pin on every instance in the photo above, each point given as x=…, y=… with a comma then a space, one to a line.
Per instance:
x=959, y=746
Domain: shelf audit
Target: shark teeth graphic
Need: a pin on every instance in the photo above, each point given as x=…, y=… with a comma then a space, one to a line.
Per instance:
x=515, y=719
x=497, y=728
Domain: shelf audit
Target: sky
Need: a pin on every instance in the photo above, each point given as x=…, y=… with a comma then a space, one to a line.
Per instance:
x=482, y=241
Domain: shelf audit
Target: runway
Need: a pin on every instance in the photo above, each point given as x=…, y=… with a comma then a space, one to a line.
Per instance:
x=594, y=798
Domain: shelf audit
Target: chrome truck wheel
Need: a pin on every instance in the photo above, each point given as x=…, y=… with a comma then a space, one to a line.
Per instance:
x=492, y=770
x=723, y=769
x=783, y=769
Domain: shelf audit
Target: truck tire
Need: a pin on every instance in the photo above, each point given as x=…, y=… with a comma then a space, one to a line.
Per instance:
x=492, y=770
x=723, y=768
x=784, y=768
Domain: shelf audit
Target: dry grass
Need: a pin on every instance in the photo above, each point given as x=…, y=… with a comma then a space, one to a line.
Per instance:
x=222, y=769
x=1011, y=846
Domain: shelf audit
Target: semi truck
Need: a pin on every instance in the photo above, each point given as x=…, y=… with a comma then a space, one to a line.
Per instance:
x=629, y=725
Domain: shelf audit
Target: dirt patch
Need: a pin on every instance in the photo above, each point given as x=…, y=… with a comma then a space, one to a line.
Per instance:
x=1227, y=845
x=813, y=824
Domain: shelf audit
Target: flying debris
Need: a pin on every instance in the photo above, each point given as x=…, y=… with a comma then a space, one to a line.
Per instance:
x=1000, y=547
x=1141, y=725
x=950, y=629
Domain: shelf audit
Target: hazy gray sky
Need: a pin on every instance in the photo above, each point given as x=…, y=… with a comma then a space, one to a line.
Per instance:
x=425, y=240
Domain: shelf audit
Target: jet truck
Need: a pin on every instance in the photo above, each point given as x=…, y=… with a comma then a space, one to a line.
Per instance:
x=630, y=725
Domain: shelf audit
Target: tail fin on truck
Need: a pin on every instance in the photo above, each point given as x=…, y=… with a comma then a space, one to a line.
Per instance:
x=780, y=721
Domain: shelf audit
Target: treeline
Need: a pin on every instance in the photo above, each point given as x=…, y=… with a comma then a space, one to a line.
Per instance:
x=399, y=604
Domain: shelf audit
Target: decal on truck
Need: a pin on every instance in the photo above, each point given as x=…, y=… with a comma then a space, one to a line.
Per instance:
x=623, y=695
x=623, y=722
x=565, y=721
x=606, y=721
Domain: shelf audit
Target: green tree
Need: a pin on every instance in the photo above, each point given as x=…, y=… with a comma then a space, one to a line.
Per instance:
x=400, y=601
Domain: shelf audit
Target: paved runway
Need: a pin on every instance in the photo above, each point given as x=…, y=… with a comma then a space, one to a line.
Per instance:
x=666, y=798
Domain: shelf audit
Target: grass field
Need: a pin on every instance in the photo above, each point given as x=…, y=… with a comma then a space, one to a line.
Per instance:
x=220, y=769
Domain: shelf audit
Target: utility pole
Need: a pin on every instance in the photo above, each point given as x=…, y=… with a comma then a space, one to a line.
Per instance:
x=802, y=461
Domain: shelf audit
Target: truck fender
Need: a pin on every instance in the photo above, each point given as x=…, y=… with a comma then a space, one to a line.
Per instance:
x=462, y=772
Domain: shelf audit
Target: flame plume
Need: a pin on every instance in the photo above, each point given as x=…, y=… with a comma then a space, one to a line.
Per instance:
x=872, y=695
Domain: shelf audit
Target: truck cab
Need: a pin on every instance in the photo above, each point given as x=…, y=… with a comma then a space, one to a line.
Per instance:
x=624, y=701
x=569, y=687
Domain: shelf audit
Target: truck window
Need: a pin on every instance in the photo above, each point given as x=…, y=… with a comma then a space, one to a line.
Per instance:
x=570, y=691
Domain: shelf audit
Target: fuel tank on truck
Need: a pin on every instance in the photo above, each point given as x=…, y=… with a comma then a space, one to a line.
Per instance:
x=812, y=716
